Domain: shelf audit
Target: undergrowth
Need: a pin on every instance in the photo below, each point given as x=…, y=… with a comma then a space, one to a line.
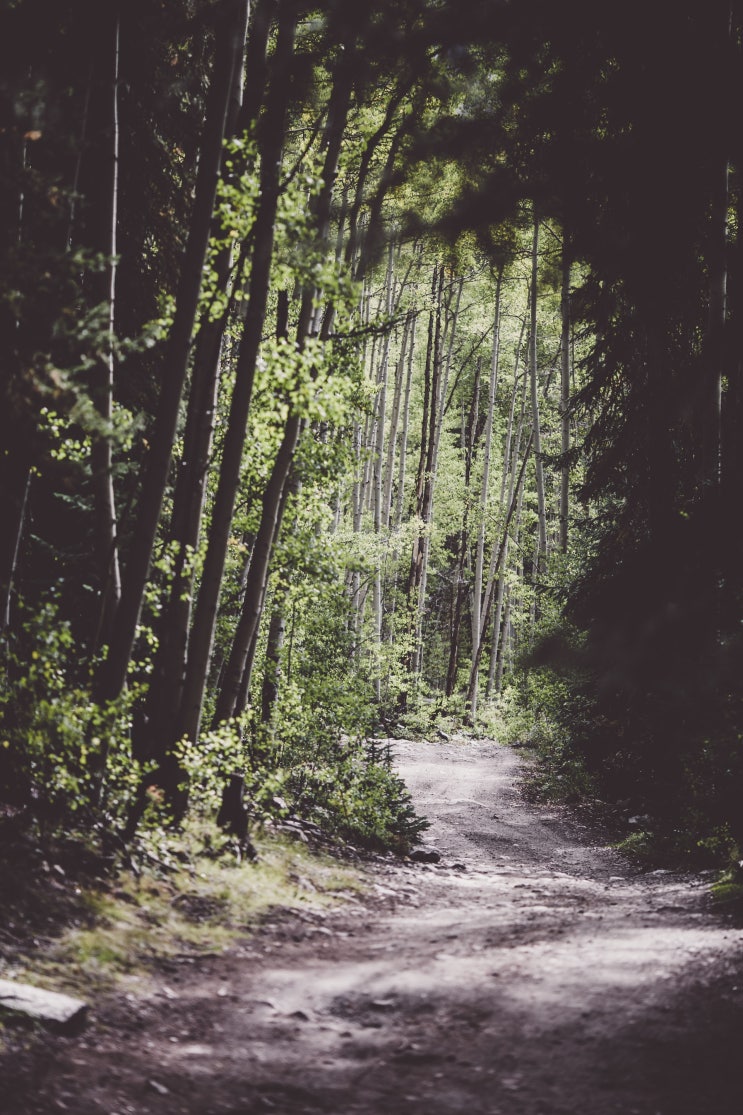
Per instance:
x=81, y=926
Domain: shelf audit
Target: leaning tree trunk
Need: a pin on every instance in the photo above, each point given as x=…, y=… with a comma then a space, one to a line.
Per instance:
x=509, y=471
x=485, y=482
x=275, y=495
x=275, y=644
x=189, y=498
x=273, y=132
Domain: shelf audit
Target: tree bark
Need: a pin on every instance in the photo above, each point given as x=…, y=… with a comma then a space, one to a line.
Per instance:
x=274, y=499
x=496, y=566
x=172, y=625
x=111, y=678
x=272, y=133
x=565, y=395
x=537, y=433
x=469, y=434
x=102, y=394
x=400, y=501
x=509, y=470
x=485, y=482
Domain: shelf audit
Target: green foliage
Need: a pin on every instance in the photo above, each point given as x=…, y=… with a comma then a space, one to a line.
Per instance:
x=356, y=794
x=62, y=756
x=220, y=753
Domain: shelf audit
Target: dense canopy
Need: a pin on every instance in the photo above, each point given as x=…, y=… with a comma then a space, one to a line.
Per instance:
x=369, y=367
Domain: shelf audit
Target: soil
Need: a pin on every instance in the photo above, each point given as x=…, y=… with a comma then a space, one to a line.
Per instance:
x=532, y=971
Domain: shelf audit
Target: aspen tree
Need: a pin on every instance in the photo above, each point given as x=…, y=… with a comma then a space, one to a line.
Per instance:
x=273, y=134
x=485, y=480
x=276, y=492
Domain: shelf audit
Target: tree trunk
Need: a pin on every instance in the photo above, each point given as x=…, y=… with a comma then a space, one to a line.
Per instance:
x=400, y=501
x=565, y=395
x=439, y=391
x=432, y=376
x=112, y=674
x=509, y=470
x=172, y=625
x=377, y=604
x=273, y=132
x=434, y=324
x=16, y=476
x=102, y=394
x=277, y=490
x=496, y=565
x=394, y=424
x=485, y=483
x=537, y=434
x=272, y=671
x=469, y=434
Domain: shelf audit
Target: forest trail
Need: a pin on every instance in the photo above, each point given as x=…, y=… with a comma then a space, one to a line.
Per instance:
x=532, y=972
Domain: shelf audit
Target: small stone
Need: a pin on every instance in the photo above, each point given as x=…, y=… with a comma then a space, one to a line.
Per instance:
x=159, y=1088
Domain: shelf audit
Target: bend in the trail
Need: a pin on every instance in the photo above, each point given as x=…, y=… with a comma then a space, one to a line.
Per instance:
x=533, y=972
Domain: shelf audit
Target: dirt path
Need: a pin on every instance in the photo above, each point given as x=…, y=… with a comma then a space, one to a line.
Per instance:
x=542, y=976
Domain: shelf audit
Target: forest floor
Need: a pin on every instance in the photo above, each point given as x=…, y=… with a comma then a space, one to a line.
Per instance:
x=533, y=971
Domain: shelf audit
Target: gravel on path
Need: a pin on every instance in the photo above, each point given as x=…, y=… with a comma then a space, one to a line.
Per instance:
x=532, y=971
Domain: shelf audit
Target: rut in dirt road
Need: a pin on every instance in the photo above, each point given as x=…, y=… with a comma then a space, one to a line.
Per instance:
x=532, y=972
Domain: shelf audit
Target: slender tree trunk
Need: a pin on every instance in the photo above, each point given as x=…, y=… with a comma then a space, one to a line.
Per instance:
x=503, y=645
x=509, y=470
x=485, y=484
x=439, y=400
x=16, y=457
x=394, y=424
x=495, y=567
x=276, y=636
x=16, y=475
x=277, y=490
x=434, y=324
x=400, y=501
x=432, y=376
x=508, y=477
x=469, y=434
x=273, y=132
x=565, y=395
x=101, y=454
x=377, y=603
x=237, y=674
x=189, y=498
x=537, y=434
x=112, y=675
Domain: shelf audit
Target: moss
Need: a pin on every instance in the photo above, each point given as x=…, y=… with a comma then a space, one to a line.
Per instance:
x=201, y=906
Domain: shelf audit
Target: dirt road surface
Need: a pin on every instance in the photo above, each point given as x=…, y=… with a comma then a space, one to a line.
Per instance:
x=532, y=972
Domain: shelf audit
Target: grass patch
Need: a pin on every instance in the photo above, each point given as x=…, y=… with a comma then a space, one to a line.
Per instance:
x=198, y=902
